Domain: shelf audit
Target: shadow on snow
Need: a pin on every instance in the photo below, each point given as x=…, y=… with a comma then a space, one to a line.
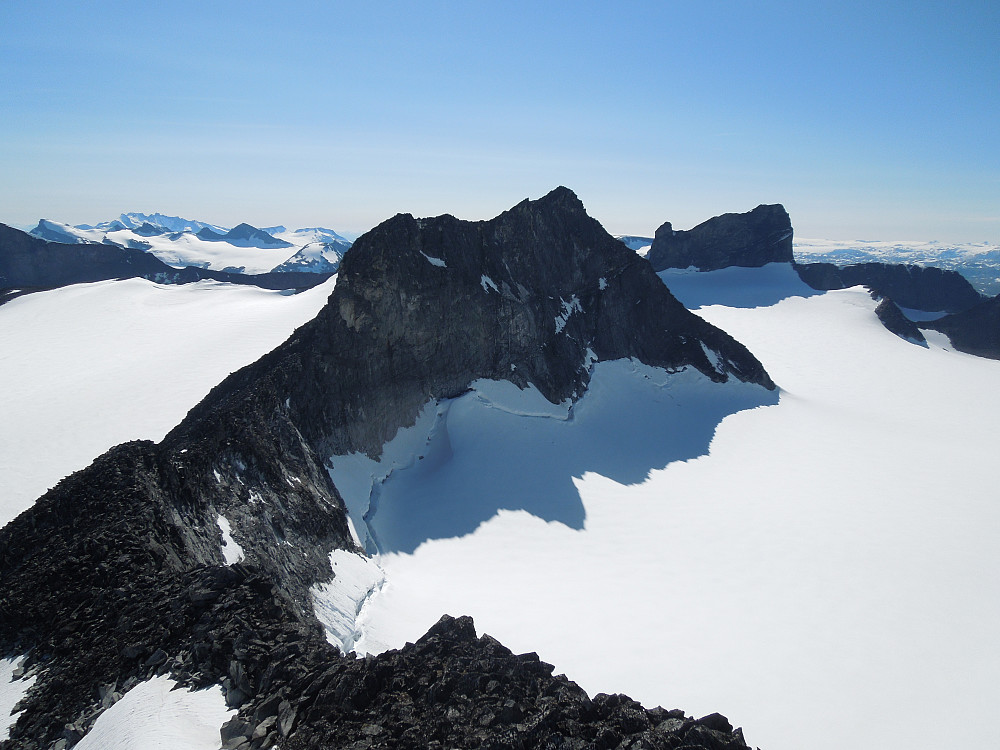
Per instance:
x=486, y=454
x=736, y=287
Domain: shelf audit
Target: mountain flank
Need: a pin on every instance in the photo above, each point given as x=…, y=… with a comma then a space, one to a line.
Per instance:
x=117, y=573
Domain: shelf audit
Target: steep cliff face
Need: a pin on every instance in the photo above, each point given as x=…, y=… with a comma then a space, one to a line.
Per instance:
x=752, y=239
x=421, y=309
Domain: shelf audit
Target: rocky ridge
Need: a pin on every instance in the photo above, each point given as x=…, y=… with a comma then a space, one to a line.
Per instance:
x=117, y=573
x=916, y=287
x=973, y=331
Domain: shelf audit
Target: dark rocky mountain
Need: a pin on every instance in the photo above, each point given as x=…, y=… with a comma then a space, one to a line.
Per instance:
x=973, y=331
x=752, y=239
x=28, y=263
x=117, y=573
x=244, y=235
x=915, y=287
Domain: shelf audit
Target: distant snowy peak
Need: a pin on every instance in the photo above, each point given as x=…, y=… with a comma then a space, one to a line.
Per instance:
x=316, y=257
x=318, y=234
x=182, y=242
x=170, y=223
x=243, y=235
x=634, y=242
x=54, y=231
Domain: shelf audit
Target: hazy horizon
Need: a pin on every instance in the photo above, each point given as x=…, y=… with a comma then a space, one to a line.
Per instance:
x=865, y=123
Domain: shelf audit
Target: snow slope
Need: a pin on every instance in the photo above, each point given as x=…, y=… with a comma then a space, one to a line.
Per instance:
x=89, y=366
x=155, y=716
x=825, y=573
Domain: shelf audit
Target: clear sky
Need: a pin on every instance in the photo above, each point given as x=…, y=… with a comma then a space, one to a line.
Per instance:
x=873, y=120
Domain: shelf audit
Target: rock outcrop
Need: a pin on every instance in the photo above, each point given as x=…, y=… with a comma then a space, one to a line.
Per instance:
x=117, y=573
x=915, y=287
x=973, y=331
x=896, y=322
x=753, y=239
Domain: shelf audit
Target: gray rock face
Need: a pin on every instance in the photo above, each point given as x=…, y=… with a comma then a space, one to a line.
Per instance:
x=752, y=239
x=117, y=573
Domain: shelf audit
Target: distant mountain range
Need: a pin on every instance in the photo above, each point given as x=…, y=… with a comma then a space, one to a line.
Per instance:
x=979, y=262
x=180, y=243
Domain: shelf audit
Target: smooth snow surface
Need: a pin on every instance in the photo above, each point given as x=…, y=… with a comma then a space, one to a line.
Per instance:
x=154, y=716
x=825, y=573
x=89, y=366
x=231, y=551
x=339, y=604
x=736, y=287
x=11, y=692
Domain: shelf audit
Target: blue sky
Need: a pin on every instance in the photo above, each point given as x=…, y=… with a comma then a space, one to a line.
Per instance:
x=874, y=120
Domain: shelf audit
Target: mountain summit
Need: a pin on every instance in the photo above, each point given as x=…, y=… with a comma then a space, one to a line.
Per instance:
x=119, y=573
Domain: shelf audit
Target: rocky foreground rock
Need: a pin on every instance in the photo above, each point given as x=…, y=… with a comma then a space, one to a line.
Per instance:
x=117, y=573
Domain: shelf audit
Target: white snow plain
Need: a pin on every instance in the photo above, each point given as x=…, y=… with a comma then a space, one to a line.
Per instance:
x=823, y=571
x=160, y=715
x=89, y=366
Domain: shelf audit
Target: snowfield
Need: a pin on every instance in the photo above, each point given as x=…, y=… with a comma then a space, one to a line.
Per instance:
x=823, y=571
x=820, y=564
x=160, y=715
x=89, y=366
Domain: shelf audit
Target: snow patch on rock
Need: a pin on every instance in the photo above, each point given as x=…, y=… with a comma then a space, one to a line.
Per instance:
x=340, y=604
x=434, y=261
x=155, y=716
x=231, y=551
